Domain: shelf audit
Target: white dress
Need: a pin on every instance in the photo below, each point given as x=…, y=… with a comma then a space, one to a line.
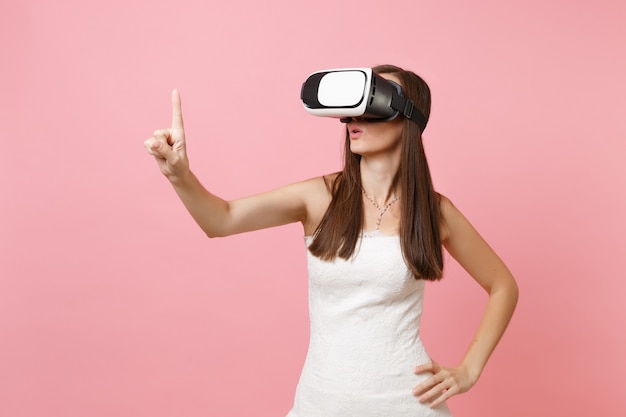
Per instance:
x=364, y=343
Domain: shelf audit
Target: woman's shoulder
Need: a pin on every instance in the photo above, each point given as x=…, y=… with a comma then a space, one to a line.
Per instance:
x=318, y=186
x=330, y=179
x=445, y=204
x=452, y=220
x=448, y=212
x=317, y=194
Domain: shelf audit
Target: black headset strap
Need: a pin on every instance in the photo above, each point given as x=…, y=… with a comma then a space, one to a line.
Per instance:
x=408, y=110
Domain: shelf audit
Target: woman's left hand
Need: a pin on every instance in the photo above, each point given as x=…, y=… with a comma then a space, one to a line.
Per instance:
x=442, y=384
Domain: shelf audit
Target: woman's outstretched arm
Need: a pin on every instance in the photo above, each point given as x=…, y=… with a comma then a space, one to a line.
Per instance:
x=216, y=216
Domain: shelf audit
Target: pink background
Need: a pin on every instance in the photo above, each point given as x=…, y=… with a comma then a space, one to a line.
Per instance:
x=113, y=303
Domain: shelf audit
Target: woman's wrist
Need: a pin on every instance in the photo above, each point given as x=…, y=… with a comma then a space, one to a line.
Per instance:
x=472, y=371
x=180, y=179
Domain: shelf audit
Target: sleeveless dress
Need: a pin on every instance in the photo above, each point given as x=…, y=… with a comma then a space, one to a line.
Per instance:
x=364, y=338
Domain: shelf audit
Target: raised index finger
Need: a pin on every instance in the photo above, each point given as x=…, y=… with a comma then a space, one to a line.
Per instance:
x=177, y=112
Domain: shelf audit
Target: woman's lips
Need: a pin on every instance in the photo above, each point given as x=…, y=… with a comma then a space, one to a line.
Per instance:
x=354, y=132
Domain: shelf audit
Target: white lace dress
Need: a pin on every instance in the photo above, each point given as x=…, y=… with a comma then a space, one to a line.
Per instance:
x=364, y=343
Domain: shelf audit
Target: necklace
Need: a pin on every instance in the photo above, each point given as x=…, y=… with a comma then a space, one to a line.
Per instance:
x=381, y=210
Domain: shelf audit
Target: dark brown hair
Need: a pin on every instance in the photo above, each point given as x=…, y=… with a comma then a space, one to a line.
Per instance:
x=341, y=226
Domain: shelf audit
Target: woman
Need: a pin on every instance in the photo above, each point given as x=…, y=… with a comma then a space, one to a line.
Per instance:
x=374, y=234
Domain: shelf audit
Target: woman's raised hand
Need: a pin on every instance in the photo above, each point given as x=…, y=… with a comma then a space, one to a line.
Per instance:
x=168, y=145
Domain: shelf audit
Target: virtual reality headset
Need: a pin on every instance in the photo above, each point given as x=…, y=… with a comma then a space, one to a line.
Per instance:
x=357, y=92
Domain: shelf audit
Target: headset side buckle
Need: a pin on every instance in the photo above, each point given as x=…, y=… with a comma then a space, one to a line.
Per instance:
x=408, y=109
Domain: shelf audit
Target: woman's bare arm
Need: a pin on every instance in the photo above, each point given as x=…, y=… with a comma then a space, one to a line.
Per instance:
x=216, y=216
x=471, y=251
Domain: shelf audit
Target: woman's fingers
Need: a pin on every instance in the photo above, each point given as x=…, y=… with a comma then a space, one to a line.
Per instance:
x=439, y=392
x=166, y=133
x=434, y=368
x=168, y=145
x=177, y=111
x=442, y=384
x=435, y=379
x=434, y=389
x=431, y=366
x=158, y=146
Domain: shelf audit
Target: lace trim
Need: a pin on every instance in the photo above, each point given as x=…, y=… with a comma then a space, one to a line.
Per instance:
x=374, y=233
x=365, y=234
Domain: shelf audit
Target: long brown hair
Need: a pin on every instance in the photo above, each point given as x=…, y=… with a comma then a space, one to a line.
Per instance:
x=342, y=224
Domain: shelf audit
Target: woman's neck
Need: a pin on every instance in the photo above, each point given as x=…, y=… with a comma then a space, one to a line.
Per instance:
x=377, y=178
